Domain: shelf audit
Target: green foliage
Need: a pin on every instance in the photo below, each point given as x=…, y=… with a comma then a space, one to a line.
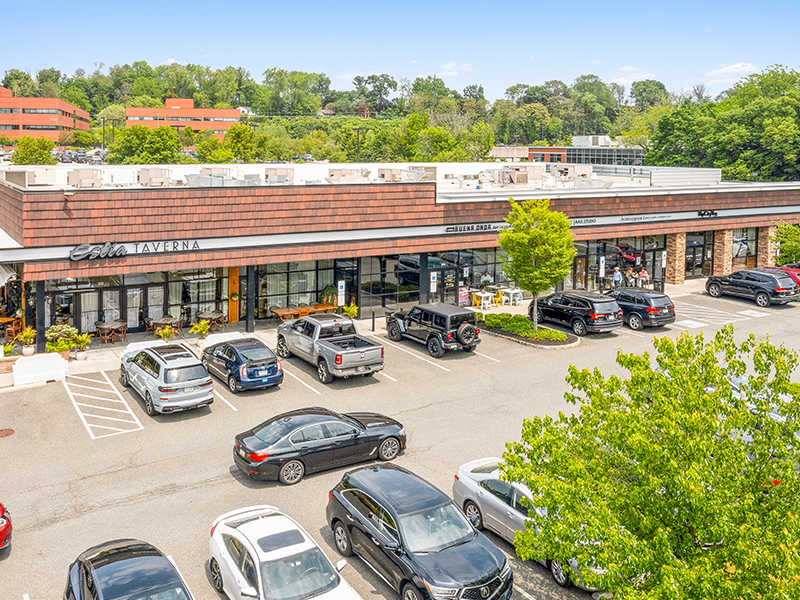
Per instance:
x=787, y=239
x=239, y=141
x=538, y=243
x=60, y=345
x=350, y=310
x=201, y=328
x=213, y=151
x=140, y=145
x=679, y=487
x=27, y=336
x=82, y=340
x=647, y=93
x=328, y=295
x=522, y=326
x=166, y=332
x=55, y=333
x=5, y=140
x=33, y=151
x=9, y=349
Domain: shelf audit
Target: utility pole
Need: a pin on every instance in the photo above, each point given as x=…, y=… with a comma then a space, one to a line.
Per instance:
x=358, y=144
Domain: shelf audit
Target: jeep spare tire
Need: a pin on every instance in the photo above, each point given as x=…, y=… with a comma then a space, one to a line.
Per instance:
x=466, y=333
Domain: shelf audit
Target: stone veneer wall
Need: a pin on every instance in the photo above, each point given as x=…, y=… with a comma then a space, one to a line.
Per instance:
x=723, y=251
x=676, y=258
x=766, y=247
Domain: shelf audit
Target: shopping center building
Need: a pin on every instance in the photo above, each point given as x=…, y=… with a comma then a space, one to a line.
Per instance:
x=143, y=243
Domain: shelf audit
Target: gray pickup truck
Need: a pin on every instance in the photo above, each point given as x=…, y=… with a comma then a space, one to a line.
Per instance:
x=331, y=343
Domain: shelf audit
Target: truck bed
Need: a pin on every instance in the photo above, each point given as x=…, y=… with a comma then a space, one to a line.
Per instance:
x=354, y=342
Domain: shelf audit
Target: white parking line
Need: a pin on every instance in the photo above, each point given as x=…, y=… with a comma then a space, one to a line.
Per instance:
x=85, y=379
x=96, y=397
x=625, y=331
x=383, y=341
x=26, y=597
x=88, y=418
x=108, y=419
x=489, y=357
x=295, y=377
x=88, y=387
x=523, y=592
x=387, y=376
x=102, y=407
x=221, y=397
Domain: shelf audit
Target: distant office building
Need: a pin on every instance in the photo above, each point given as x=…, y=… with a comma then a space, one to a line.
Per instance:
x=585, y=150
x=48, y=117
x=180, y=113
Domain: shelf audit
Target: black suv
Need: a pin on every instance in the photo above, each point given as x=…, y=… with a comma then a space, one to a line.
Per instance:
x=642, y=308
x=765, y=287
x=582, y=311
x=440, y=326
x=415, y=537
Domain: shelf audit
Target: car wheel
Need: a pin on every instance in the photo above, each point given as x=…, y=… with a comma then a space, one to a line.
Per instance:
x=579, y=327
x=410, y=592
x=435, y=348
x=291, y=472
x=342, y=539
x=466, y=333
x=389, y=449
x=322, y=372
x=216, y=575
x=635, y=322
x=123, y=378
x=560, y=575
x=468, y=348
x=148, y=404
x=393, y=331
x=714, y=290
x=474, y=514
x=232, y=384
x=282, y=349
x=539, y=316
x=762, y=300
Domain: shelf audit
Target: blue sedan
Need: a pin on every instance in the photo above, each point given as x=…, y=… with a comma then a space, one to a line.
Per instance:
x=244, y=364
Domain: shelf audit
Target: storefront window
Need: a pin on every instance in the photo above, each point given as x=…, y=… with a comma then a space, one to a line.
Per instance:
x=288, y=284
x=745, y=248
x=627, y=253
x=202, y=290
x=390, y=283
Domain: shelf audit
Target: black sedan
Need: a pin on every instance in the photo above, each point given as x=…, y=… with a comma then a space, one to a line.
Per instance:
x=644, y=308
x=124, y=569
x=303, y=441
x=415, y=537
x=244, y=364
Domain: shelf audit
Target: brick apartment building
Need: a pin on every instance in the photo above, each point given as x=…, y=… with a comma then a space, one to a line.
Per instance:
x=48, y=117
x=180, y=113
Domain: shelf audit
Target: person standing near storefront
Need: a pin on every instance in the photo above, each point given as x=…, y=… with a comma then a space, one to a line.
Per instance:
x=617, y=278
x=644, y=278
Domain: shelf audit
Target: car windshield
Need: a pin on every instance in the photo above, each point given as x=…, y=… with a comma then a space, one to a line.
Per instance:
x=300, y=576
x=184, y=374
x=785, y=282
x=256, y=354
x=434, y=529
x=275, y=430
x=147, y=577
x=661, y=301
x=606, y=307
x=329, y=330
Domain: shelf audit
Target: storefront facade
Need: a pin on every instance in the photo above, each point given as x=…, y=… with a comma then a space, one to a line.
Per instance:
x=133, y=253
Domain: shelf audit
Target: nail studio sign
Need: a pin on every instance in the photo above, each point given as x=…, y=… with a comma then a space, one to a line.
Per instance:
x=112, y=250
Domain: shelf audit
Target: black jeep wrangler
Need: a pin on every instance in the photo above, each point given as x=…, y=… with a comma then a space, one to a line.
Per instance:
x=439, y=326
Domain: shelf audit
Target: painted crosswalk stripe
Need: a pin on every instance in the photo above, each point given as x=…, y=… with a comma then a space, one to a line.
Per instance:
x=86, y=405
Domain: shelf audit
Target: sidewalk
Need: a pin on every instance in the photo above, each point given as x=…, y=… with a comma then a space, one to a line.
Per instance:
x=104, y=358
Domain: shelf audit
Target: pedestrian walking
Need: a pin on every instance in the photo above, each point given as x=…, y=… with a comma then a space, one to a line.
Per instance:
x=617, y=278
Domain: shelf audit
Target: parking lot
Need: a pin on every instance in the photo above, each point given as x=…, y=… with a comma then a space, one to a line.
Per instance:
x=86, y=464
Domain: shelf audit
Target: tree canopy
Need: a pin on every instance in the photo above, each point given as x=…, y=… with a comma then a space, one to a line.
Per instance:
x=676, y=480
x=787, y=238
x=33, y=151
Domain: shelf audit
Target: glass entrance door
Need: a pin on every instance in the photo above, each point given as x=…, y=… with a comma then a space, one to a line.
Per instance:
x=155, y=301
x=695, y=259
x=134, y=307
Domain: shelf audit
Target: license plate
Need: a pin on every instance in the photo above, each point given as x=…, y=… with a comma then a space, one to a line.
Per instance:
x=665, y=310
x=361, y=368
x=241, y=452
x=187, y=390
x=265, y=380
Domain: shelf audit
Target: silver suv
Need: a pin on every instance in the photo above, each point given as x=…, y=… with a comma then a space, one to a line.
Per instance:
x=168, y=378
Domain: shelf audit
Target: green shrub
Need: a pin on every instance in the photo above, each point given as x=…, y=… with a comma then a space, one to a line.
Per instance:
x=60, y=345
x=496, y=321
x=522, y=326
x=478, y=316
x=547, y=334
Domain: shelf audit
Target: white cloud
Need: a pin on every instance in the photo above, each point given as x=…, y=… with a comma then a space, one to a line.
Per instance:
x=413, y=62
x=728, y=74
x=629, y=79
x=629, y=69
x=532, y=58
x=207, y=55
x=448, y=73
x=595, y=62
x=454, y=66
x=172, y=61
x=707, y=29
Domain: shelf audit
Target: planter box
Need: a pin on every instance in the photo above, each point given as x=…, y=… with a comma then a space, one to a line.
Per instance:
x=7, y=363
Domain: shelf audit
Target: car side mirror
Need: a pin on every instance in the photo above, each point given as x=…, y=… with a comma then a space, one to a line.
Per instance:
x=391, y=545
x=129, y=360
x=341, y=565
x=249, y=592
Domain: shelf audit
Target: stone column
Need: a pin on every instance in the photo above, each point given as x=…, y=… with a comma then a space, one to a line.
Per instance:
x=723, y=252
x=676, y=258
x=766, y=247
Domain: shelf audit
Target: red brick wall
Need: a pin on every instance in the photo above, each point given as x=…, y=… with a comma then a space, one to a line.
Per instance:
x=64, y=122
x=11, y=202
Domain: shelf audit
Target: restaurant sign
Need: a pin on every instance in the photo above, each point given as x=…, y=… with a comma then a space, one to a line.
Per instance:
x=113, y=250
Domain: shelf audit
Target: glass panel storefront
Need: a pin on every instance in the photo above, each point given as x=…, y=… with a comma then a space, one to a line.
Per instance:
x=630, y=254
x=745, y=248
x=292, y=283
x=699, y=254
x=201, y=290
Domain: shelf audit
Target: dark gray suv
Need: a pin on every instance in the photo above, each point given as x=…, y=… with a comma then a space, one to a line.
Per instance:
x=765, y=287
x=581, y=311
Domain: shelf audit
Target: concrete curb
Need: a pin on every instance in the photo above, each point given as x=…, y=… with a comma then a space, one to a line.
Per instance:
x=532, y=344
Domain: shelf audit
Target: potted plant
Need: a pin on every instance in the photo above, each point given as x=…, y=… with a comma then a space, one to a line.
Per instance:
x=350, y=310
x=9, y=349
x=166, y=332
x=27, y=337
x=20, y=313
x=328, y=295
x=61, y=339
x=235, y=296
x=81, y=342
x=201, y=328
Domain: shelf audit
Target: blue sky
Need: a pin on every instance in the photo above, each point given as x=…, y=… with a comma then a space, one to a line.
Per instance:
x=494, y=44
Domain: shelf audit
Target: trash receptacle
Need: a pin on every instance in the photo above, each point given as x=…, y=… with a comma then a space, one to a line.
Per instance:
x=658, y=285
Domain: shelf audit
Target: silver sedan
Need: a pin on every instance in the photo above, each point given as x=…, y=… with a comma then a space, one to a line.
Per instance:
x=497, y=505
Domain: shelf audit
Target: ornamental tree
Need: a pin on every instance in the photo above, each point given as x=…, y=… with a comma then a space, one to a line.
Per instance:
x=33, y=151
x=787, y=237
x=679, y=478
x=539, y=246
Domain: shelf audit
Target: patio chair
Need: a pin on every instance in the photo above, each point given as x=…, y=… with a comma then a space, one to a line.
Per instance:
x=13, y=329
x=121, y=333
x=177, y=326
x=272, y=315
x=148, y=325
x=498, y=298
x=105, y=334
x=221, y=323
